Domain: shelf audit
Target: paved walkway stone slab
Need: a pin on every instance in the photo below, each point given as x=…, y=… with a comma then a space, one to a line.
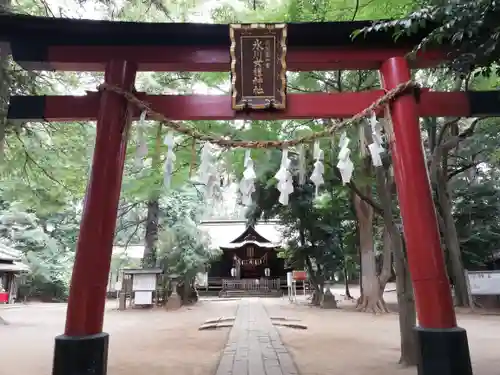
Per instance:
x=254, y=346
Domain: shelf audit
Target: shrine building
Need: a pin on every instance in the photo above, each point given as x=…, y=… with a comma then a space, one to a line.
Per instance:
x=249, y=264
x=11, y=269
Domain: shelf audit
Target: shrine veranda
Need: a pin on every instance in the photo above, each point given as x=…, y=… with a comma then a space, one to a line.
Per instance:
x=121, y=49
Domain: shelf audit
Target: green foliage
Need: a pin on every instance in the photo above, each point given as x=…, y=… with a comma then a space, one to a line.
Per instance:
x=471, y=28
x=184, y=249
x=476, y=216
x=49, y=259
x=316, y=229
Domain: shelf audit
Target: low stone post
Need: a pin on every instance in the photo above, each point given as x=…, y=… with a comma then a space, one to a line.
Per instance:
x=122, y=301
x=174, y=302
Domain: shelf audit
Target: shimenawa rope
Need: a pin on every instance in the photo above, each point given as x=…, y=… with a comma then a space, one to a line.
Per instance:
x=227, y=143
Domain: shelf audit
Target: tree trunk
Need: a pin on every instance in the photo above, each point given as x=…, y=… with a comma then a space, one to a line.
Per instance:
x=404, y=289
x=453, y=247
x=406, y=302
x=407, y=314
x=4, y=86
x=448, y=228
x=347, y=294
x=315, y=278
x=346, y=284
x=386, y=272
x=317, y=283
x=186, y=291
x=357, y=241
x=372, y=295
x=151, y=237
x=439, y=177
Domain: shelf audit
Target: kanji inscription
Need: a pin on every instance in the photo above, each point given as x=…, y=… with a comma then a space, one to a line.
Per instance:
x=258, y=66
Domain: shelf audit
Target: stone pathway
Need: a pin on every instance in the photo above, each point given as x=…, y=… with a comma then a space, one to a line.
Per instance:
x=254, y=346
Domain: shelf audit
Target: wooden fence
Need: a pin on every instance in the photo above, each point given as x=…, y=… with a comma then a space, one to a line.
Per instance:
x=251, y=284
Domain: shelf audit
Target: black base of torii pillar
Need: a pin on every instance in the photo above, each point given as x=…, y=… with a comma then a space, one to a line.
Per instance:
x=83, y=349
x=443, y=351
x=74, y=355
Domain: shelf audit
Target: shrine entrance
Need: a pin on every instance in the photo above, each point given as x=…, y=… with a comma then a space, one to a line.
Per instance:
x=258, y=57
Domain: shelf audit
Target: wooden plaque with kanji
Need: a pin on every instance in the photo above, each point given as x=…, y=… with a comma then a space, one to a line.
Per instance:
x=258, y=66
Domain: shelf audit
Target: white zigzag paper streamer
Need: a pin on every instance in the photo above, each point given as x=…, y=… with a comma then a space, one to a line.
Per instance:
x=284, y=177
x=319, y=168
x=170, y=159
x=376, y=147
x=345, y=165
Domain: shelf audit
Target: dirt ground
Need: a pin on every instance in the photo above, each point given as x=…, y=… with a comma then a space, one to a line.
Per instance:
x=340, y=342
x=153, y=342
x=337, y=342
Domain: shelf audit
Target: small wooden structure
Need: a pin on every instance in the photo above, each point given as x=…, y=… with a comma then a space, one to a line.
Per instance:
x=140, y=287
x=10, y=268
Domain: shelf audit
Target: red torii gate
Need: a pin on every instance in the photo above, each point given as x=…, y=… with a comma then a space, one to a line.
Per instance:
x=121, y=49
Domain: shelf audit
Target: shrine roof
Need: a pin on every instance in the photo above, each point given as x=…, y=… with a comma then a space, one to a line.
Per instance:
x=222, y=232
x=250, y=235
x=43, y=31
x=14, y=267
x=142, y=271
x=10, y=260
x=9, y=254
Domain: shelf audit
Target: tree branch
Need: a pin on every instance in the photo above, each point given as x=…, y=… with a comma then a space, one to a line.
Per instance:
x=454, y=141
x=29, y=158
x=352, y=186
x=134, y=232
x=442, y=149
x=462, y=169
x=378, y=209
x=125, y=210
x=445, y=127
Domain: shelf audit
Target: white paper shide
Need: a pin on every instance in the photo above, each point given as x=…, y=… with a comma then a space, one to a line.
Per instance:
x=376, y=147
x=207, y=171
x=345, y=165
x=142, y=145
x=319, y=168
x=247, y=183
x=284, y=177
x=170, y=159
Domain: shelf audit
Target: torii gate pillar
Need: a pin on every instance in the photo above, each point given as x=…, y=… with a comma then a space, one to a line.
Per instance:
x=443, y=347
x=83, y=349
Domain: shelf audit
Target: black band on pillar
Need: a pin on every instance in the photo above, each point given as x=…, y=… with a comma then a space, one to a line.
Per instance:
x=81, y=355
x=484, y=103
x=443, y=351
